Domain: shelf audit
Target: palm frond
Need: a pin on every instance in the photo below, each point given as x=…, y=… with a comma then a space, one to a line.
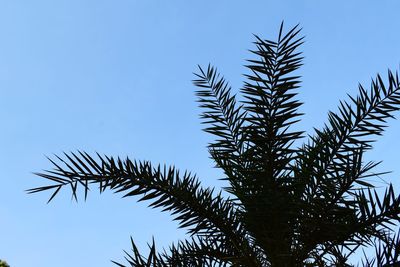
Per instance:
x=270, y=104
x=376, y=212
x=225, y=121
x=200, y=251
x=348, y=130
x=387, y=252
x=194, y=253
x=271, y=109
x=136, y=259
x=221, y=113
x=330, y=169
x=198, y=209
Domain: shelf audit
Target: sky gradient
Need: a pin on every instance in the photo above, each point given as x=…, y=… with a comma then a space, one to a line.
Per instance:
x=115, y=77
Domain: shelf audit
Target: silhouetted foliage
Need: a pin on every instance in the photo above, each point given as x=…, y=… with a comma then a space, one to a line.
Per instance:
x=312, y=205
x=3, y=264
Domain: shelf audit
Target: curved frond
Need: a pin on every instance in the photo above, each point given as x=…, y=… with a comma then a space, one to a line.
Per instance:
x=196, y=208
x=348, y=130
x=330, y=170
x=225, y=120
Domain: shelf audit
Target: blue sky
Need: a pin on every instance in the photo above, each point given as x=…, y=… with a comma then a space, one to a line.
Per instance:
x=115, y=77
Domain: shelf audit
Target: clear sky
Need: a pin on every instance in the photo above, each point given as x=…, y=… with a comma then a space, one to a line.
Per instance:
x=115, y=77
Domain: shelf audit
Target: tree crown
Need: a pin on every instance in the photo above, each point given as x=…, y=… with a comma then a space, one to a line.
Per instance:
x=313, y=205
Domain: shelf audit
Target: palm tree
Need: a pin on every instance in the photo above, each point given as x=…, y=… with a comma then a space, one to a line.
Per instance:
x=314, y=204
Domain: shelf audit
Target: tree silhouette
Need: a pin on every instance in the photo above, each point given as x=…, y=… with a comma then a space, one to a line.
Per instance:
x=310, y=205
x=3, y=264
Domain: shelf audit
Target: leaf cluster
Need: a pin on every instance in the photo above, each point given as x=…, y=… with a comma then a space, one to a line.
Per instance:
x=310, y=205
